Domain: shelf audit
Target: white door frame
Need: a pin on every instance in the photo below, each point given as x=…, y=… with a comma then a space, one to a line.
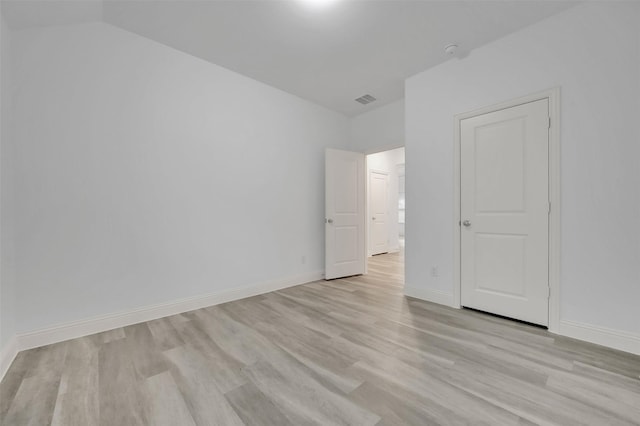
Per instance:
x=553, y=95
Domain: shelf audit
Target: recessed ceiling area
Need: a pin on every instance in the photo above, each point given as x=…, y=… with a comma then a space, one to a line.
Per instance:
x=330, y=55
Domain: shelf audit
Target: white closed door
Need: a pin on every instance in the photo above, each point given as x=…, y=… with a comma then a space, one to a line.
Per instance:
x=378, y=216
x=345, y=238
x=505, y=212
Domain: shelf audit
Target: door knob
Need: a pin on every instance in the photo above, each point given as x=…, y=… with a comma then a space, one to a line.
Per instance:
x=373, y=218
x=329, y=220
x=466, y=223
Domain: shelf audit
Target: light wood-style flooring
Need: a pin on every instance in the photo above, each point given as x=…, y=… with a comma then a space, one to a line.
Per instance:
x=353, y=351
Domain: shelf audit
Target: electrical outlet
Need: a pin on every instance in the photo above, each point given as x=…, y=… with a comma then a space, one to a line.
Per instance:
x=434, y=271
x=303, y=260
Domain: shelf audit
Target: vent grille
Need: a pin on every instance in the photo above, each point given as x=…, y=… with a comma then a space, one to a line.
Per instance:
x=365, y=99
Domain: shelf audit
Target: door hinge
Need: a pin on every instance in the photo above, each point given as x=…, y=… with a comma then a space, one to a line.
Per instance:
x=548, y=292
x=549, y=122
x=549, y=212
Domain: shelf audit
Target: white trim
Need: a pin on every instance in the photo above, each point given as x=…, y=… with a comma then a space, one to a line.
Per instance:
x=7, y=355
x=554, y=215
x=99, y=324
x=430, y=295
x=553, y=95
x=621, y=340
x=457, y=261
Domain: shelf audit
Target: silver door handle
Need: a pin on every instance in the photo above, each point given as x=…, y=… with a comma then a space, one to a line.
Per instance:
x=329, y=221
x=466, y=223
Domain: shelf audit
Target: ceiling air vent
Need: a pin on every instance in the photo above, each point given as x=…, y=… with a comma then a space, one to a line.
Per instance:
x=365, y=99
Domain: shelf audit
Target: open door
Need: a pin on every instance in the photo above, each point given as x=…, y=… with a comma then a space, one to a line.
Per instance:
x=345, y=239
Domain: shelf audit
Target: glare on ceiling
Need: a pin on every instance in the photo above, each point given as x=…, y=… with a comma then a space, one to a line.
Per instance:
x=318, y=3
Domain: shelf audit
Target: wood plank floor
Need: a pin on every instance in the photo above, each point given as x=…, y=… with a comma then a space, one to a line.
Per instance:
x=347, y=352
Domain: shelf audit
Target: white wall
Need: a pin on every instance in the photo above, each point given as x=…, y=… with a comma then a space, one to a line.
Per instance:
x=7, y=276
x=381, y=128
x=145, y=175
x=592, y=52
x=387, y=161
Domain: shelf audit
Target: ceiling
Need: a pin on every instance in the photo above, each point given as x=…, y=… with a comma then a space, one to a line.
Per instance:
x=329, y=55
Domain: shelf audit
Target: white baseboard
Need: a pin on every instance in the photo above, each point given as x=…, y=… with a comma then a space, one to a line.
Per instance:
x=621, y=340
x=624, y=341
x=435, y=296
x=99, y=324
x=7, y=355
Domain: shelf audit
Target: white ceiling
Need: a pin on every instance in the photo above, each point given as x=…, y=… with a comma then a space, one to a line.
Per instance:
x=329, y=55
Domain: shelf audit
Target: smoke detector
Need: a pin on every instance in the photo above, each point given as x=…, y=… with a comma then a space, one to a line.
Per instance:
x=450, y=49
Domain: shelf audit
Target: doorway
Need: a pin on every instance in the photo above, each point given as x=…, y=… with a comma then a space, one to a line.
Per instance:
x=364, y=216
x=385, y=201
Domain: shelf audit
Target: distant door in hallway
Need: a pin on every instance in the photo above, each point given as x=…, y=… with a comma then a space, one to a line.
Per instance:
x=345, y=214
x=378, y=212
x=504, y=200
